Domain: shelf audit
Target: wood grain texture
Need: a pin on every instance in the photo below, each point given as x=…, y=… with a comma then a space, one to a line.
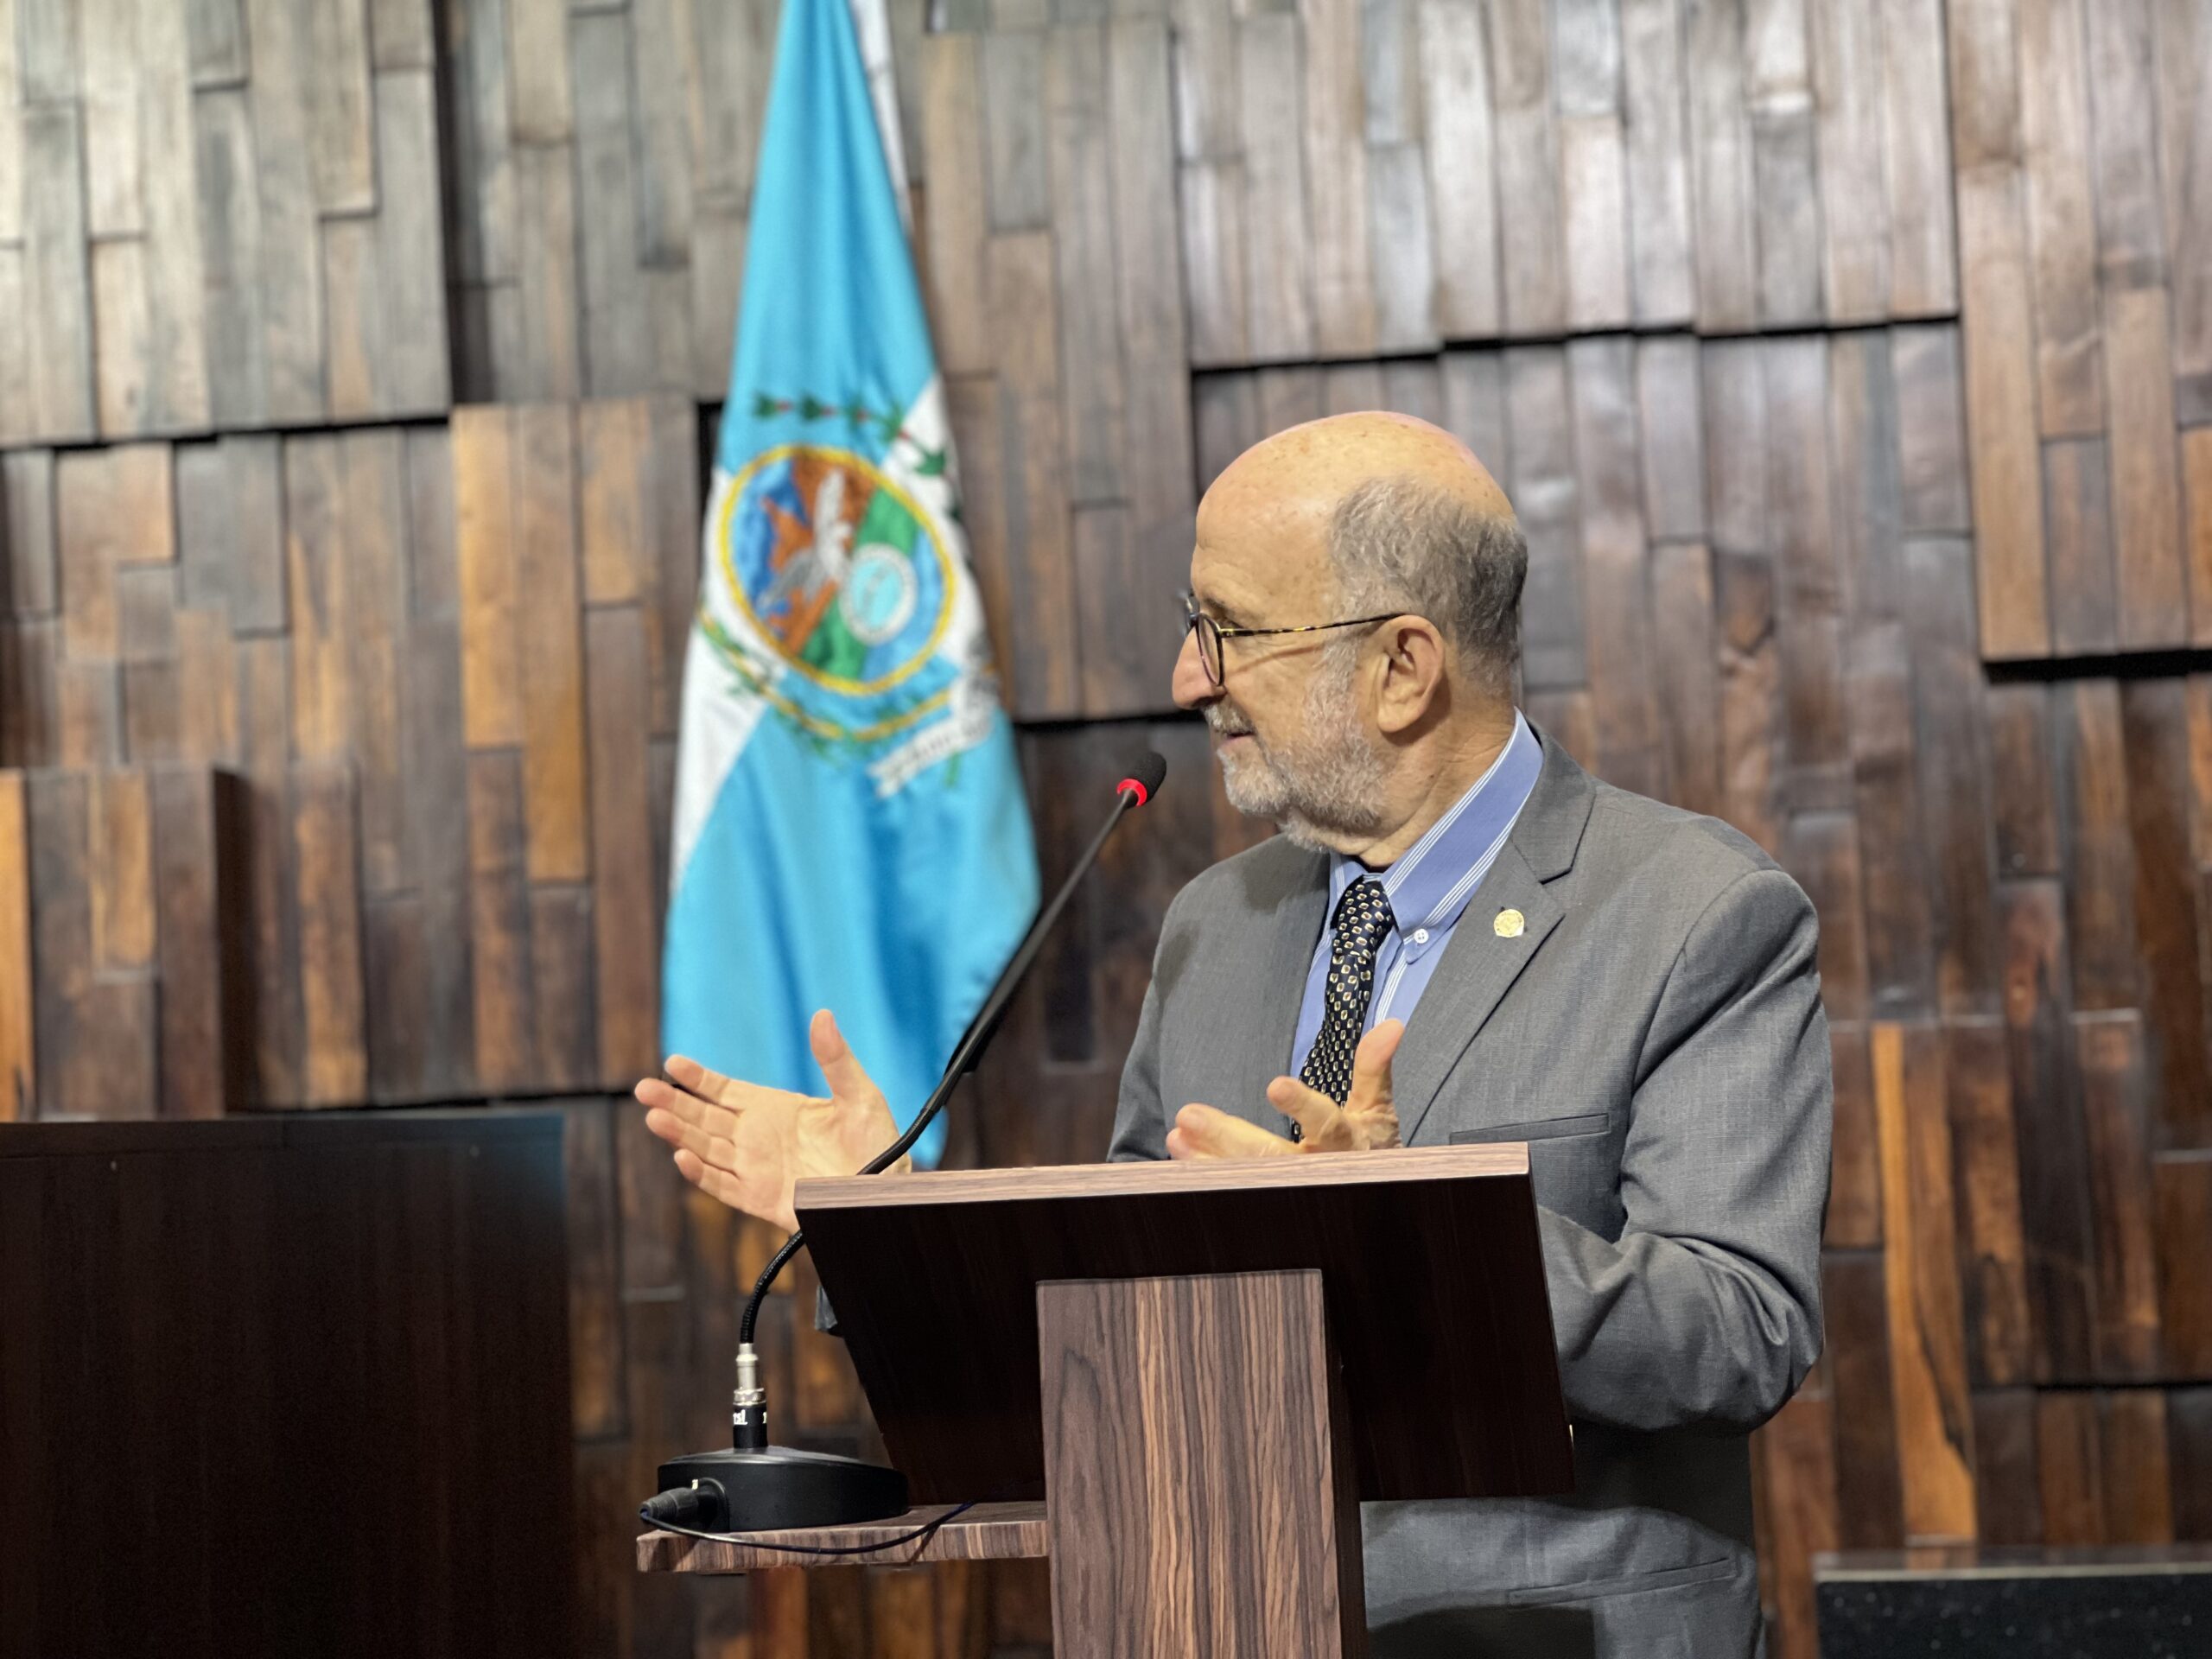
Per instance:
x=1527, y=139
x=850, y=1222
x=1916, y=156
x=1869, y=1513
x=1956, y=798
x=2052, y=1136
x=2111, y=1051
x=2054, y=119
x=332, y=1005
x=1458, y=139
x=1662, y=238
x=1274, y=1491
x=1615, y=564
x=989, y=1532
x=1985, y=1140
x=2001, y=418
x=1928, y=1354
x=2181, y=1222
x=367, y=1297
x=1797, y=1466
x=1542, y=480
x=18, y=1020
x=2078, y=515
x=2100, y=861
x=2154, y=720
x=627, y=941
x=548, y=645
x=2197, y=475
x=202, y=243
x=2145, y=490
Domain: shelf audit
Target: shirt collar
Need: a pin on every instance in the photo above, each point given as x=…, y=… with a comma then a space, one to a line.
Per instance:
x=1431, y=882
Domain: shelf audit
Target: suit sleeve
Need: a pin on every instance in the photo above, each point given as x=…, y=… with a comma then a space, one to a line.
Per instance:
x=1140, y=1120
x=1705, y=1310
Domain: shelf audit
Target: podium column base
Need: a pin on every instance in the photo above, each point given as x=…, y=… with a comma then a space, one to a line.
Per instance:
x=1199, y=1497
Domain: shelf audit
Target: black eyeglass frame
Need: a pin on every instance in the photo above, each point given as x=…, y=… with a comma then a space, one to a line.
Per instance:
x=1217, y=664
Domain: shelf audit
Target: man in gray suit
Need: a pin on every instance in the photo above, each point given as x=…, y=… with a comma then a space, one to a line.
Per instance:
x=1461, y=937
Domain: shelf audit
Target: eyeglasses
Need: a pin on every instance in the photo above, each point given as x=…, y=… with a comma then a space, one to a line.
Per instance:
x=1210, y=633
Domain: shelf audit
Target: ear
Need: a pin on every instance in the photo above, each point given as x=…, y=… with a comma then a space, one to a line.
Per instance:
x=1414, y=674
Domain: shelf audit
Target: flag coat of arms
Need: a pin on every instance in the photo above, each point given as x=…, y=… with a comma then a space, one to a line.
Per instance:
x=850, y=829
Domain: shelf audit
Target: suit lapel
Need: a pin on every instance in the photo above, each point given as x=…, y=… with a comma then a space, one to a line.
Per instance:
x=1477, y=968
x=1479, y=965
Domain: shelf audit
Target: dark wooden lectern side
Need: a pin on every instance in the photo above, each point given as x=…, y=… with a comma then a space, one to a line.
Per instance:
x=1202, y=1369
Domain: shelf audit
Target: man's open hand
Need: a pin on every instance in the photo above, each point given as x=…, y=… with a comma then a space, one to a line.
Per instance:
x=1367, y=1121
x=749, y=1146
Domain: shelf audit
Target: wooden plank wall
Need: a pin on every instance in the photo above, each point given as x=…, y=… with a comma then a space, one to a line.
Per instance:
x=124, y=989
x=2082, y=139
x=217, y=215
x=1850, y=362
x=388, y=633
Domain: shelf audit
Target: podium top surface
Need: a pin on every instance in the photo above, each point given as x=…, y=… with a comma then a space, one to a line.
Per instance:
x=989, y=1532
x=1431, y=1273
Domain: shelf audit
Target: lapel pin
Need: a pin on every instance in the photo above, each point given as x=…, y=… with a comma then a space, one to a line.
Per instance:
x=1508, y=923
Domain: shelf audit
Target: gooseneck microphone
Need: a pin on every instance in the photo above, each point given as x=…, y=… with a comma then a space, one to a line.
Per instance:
x=757, y=1487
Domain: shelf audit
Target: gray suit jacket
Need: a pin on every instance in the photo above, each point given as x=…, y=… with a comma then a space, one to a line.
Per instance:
x=1655, y=1036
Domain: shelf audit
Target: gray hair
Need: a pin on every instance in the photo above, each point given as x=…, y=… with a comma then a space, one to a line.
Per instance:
x=1399, y=542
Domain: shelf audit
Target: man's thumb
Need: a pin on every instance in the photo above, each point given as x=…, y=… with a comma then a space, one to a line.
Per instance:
x=847, y=1078
x=1371, y=1063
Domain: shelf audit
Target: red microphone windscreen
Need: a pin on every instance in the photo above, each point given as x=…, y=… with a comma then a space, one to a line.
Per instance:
x=1145, y=777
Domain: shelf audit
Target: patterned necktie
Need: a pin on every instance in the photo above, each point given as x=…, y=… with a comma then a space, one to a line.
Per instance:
x=1362, y=920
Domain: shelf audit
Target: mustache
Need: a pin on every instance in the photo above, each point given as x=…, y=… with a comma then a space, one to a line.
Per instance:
x=1226, y=722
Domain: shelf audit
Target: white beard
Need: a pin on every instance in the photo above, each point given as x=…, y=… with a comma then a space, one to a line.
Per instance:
x=1324, y=786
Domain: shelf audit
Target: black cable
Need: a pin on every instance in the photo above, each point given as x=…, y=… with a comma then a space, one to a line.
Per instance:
x=969, y=1049
x=924, y=1532
x=775, y=1264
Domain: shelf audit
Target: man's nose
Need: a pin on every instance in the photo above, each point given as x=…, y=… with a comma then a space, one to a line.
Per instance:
x=1190, y=686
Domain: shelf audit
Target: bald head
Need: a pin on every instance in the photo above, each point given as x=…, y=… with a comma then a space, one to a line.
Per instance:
x=1318, y=463
x=1365, y=513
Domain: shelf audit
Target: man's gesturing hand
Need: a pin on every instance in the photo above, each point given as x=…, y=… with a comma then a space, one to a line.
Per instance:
x=1368, y=1120
x=749, y=1146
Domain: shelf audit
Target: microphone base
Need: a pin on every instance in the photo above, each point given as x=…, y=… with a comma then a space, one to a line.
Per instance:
x=780, y=1487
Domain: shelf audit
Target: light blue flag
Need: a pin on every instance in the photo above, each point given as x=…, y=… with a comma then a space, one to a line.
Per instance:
x=849, y=829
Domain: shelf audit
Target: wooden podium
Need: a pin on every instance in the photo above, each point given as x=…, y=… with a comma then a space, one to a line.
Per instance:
x=1179, y=1381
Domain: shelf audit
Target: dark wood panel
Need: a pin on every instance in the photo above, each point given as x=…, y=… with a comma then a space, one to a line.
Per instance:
x=2188, y=1442
x=2155, y=728
x=1900, y=942
x=1869, y=1496
x=2078, y=515
x=1985, y=1141
x=2069, y=1469
x=851, y=1223
x=2113, y=1080
x=2181, y=1222
x=2007, y=1474
x=2132, y=1435
x=2099, y=853
x=1953, y=765
x=2052, y=1138
x=1615, y=565
x=377, y=1308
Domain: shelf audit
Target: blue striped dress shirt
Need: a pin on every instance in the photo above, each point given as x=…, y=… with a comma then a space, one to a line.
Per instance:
x=1429, y=889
